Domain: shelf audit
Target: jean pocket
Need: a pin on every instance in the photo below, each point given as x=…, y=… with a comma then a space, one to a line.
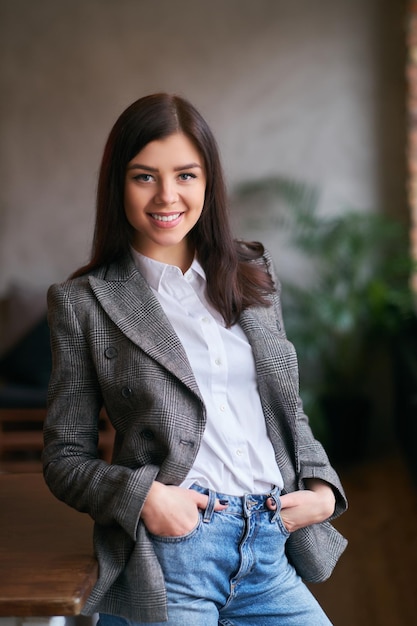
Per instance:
x=280, y=523
x=178, y=538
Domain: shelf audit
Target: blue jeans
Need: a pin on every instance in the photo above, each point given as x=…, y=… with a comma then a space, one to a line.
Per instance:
x=232, y=570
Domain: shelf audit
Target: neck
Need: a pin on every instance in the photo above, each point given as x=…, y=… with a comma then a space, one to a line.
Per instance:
x=180, y=256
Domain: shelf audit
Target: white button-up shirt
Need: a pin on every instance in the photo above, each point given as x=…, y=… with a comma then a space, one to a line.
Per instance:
x=236, y=455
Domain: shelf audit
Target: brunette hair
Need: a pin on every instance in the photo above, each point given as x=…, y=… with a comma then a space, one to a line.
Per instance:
x=234, y=282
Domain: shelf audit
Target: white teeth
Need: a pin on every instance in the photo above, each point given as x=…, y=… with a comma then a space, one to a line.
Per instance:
x=165, y=218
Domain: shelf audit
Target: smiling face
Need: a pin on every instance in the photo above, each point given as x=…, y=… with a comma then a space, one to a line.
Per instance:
x=164, y=196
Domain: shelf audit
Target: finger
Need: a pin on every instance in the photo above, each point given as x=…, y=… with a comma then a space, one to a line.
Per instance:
x=271, y=503
x=288, y=500
x=221, y=504
x=199, y=499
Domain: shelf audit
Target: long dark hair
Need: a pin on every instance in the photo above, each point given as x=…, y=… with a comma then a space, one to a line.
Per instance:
x=234, y=282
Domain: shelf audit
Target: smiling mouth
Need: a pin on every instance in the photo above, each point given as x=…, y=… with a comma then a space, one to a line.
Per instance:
x=165, y=218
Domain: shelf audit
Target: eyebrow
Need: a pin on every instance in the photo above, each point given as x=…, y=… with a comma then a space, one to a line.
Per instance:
x=148, y=168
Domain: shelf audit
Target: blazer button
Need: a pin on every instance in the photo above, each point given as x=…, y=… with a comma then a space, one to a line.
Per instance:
x=126, y=392
x=147, y=434
x=110, y=352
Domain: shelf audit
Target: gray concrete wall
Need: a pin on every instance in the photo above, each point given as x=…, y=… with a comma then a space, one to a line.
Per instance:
x=310, y=89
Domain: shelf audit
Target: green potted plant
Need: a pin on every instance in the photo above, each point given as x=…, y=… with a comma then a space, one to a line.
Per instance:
x=345, y=319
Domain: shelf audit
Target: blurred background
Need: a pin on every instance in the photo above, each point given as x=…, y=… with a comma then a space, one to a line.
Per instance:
x=307, y=90
x=311, y=104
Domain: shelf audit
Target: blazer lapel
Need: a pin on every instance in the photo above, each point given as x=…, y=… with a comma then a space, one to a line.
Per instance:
x=131, y=305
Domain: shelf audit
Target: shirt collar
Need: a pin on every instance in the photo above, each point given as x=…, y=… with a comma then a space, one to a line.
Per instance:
x=153, y=271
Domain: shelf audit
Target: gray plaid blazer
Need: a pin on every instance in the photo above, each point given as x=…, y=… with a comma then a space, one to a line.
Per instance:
x=113, y=345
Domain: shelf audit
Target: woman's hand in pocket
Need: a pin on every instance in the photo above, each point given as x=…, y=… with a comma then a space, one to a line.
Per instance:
x=310, y=506
x=171, y=511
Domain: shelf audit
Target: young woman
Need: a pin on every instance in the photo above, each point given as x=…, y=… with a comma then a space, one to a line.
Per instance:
x=217, y=502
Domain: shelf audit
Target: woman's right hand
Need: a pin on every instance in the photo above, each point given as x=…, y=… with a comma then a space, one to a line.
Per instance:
x=171, y=511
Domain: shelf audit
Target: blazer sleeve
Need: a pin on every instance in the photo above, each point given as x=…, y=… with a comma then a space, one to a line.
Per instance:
x=313, y=461
x=110, y=494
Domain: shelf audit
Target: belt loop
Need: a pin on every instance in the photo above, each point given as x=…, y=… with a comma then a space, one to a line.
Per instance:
x=210, y=506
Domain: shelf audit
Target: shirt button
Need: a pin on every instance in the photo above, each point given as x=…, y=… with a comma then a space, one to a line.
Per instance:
x=206, y=320
x=218, y=361
x=239, y=452
x=222, y=408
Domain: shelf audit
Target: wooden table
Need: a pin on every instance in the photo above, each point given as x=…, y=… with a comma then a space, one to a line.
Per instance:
x=47, y=565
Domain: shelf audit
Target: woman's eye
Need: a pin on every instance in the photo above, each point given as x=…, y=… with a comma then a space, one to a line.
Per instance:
x=186, y=176
x=144, y=178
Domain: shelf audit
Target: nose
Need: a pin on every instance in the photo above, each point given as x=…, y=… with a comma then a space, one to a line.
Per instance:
x=166, y=194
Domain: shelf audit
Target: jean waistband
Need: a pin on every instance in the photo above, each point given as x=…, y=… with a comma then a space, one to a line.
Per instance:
x=243, y=505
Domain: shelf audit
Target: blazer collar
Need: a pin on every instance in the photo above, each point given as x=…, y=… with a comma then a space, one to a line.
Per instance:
x=130, y=303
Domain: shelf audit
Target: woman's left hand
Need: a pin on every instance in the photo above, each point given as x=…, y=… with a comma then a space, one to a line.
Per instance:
x=310, y=506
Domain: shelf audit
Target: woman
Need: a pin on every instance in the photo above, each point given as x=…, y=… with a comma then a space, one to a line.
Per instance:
x=218, y=499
